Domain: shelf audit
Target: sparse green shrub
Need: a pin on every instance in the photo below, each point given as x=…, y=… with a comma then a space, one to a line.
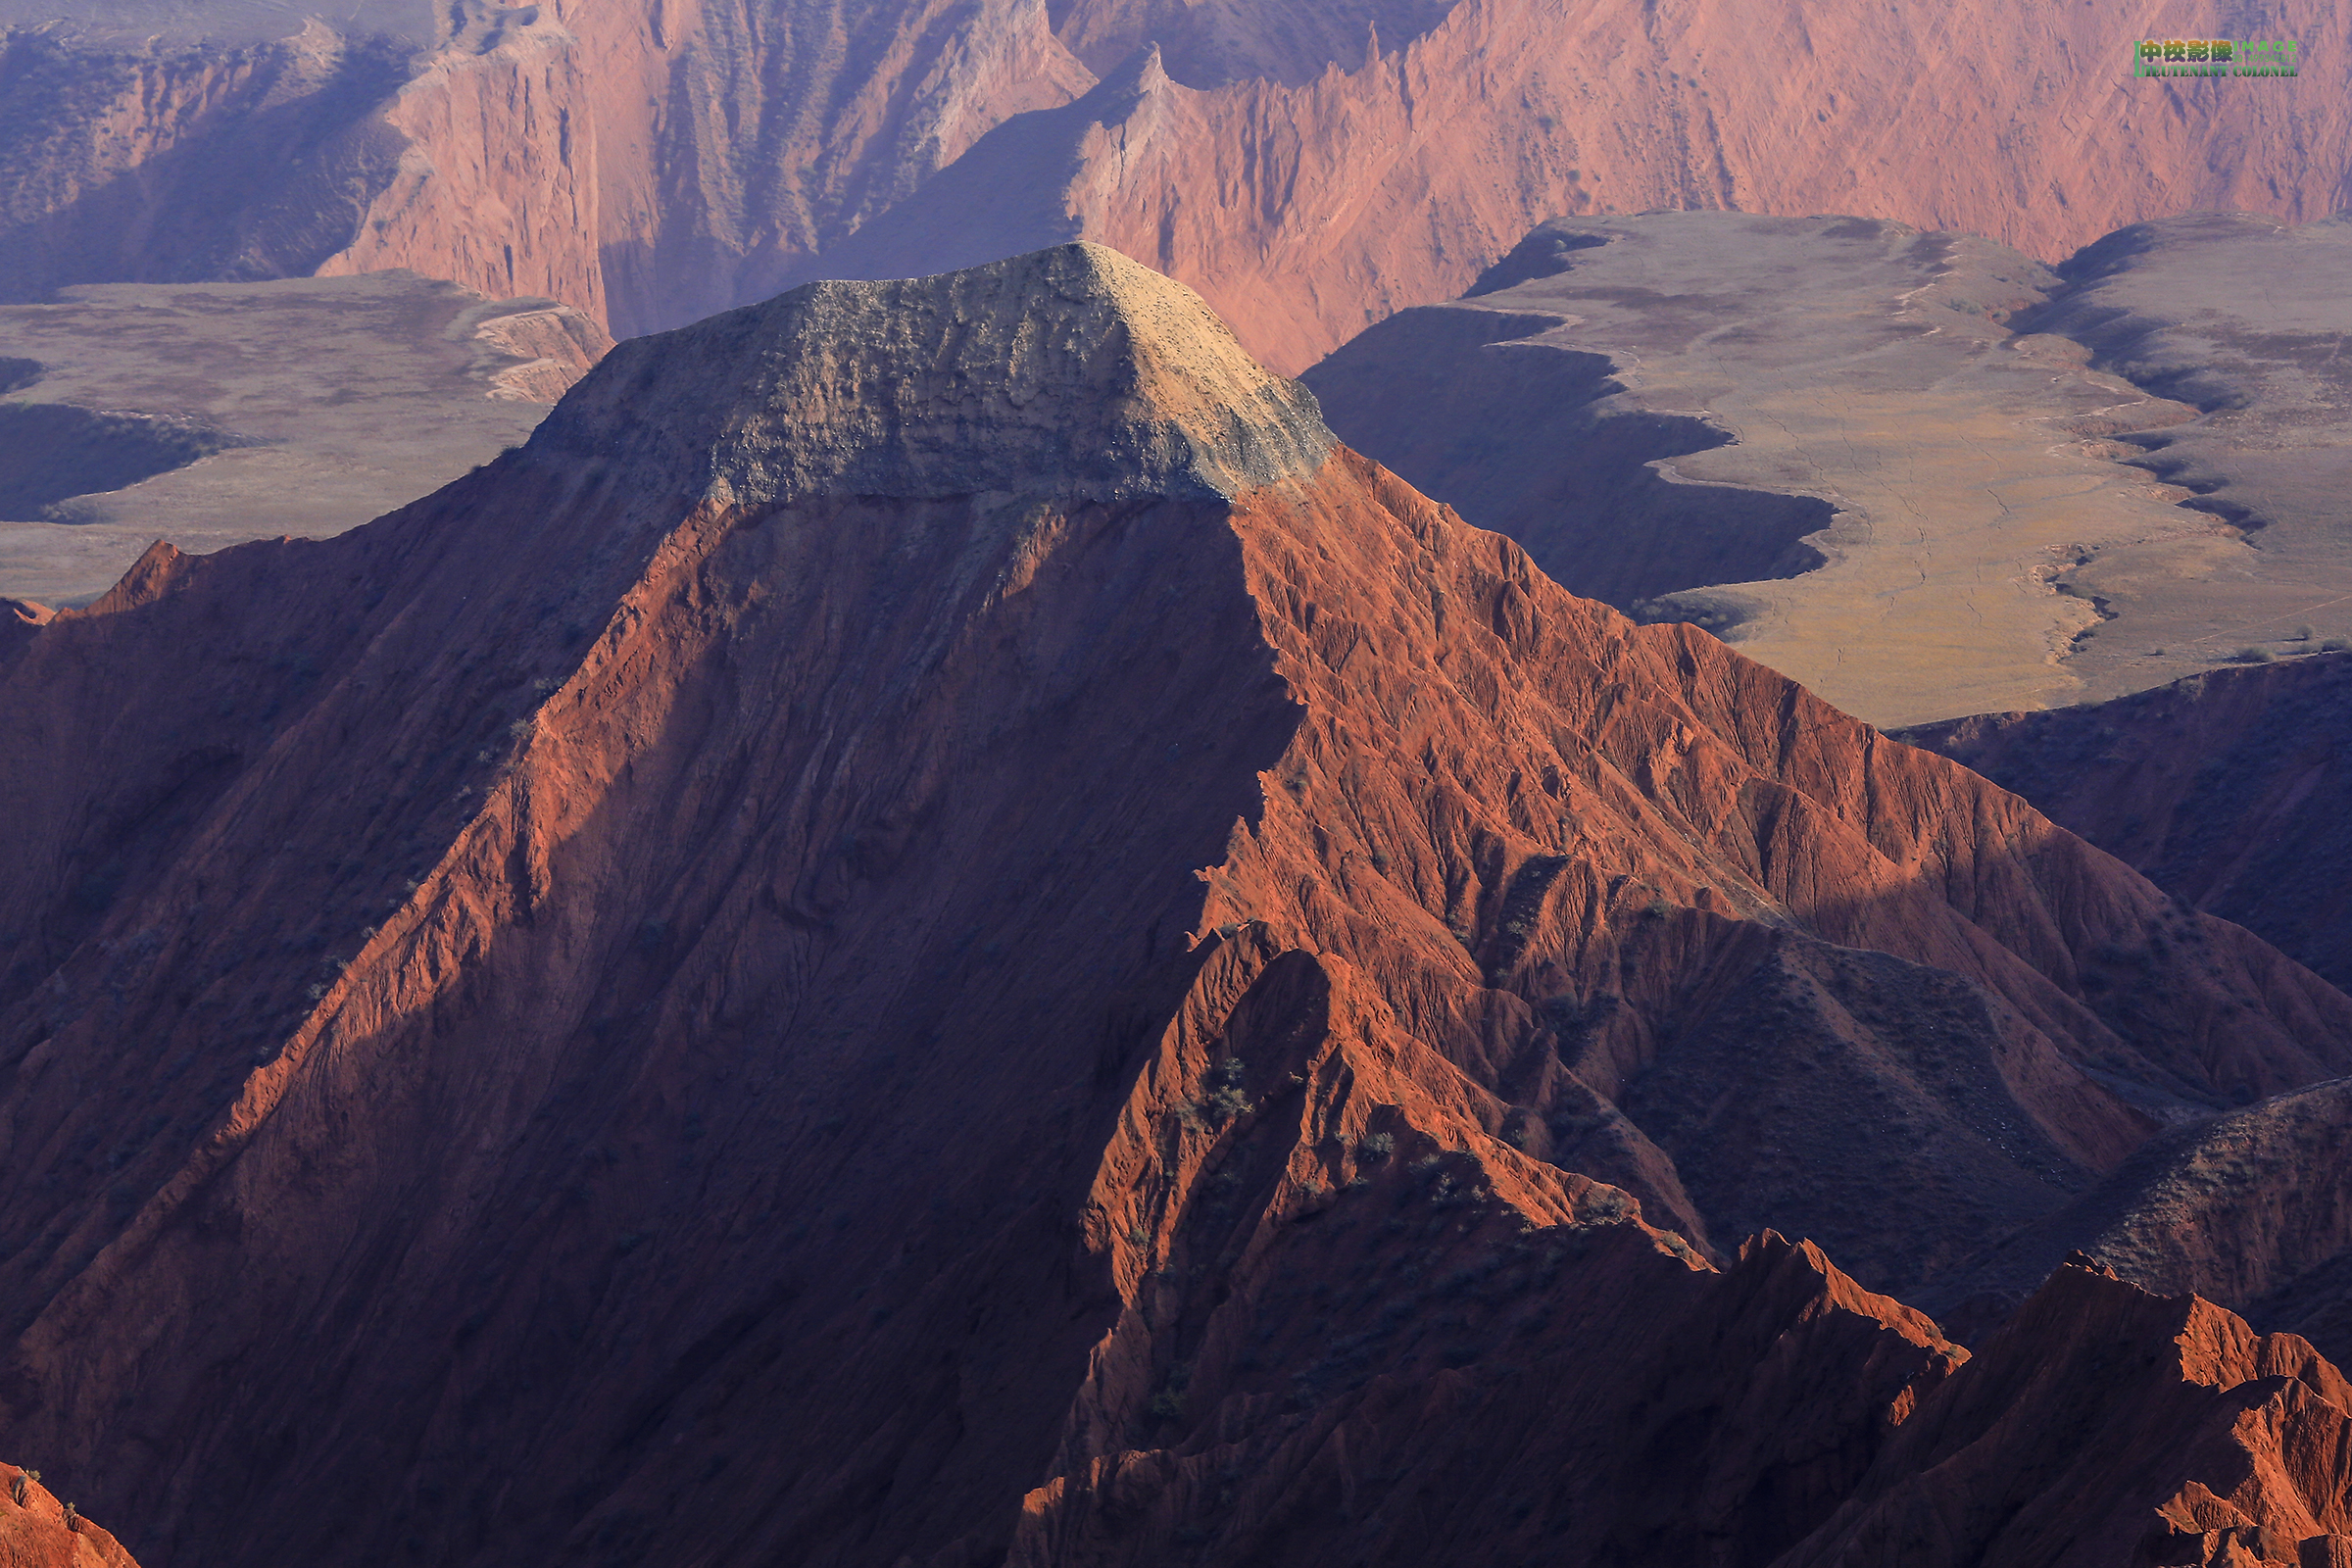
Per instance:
x=1227, y=1101
x=73, y=1518
x=1605, y=1205
x=1377, y=1146
x=2336, y=645
x=1226, y=1098
x=2303, y=634
x=2252, y=656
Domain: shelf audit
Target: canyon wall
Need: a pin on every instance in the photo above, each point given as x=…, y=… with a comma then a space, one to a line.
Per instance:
x=1308, y=171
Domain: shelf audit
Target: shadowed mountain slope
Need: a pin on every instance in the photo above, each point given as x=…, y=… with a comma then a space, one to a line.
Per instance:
x=932, y=930
x=2253, y=1207
x=2230, y=790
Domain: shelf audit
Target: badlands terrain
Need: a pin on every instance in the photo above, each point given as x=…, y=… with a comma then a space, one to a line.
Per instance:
x=1688, y=907
x=1309, y=168
x=933, y=930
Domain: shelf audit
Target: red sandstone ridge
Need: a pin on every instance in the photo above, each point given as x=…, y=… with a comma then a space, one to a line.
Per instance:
x=2074, y=1437
x=1310, y=167
x=932, y=930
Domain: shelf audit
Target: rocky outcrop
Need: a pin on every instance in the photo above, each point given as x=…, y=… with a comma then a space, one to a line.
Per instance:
x=1309, y=168
x=931, y=930
x=2109, y=1425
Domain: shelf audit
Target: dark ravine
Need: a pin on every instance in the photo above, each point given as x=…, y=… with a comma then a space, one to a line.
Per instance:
x=752, y=981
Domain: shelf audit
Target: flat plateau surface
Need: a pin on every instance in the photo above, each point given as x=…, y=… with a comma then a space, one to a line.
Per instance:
x=319, y=403
x=1988, y=538
x=2245, y=318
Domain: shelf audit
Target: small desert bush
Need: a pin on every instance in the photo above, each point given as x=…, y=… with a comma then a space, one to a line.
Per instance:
x=2251, y=656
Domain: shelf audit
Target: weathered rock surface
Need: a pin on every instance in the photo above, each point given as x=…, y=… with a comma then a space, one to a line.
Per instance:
x=709, y=992
x=1308, y=167
x=2109, y=1425
x=211, y=414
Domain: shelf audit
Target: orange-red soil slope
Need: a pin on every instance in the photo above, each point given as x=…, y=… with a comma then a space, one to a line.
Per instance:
x=1310, y=165
x=38, y=1531
x=932, y=931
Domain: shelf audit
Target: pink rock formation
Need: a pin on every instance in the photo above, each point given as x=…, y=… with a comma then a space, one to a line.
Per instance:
x=1308, y=171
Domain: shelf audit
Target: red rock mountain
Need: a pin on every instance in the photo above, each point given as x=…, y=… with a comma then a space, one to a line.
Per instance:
x=933, y=931
x=1310, y=167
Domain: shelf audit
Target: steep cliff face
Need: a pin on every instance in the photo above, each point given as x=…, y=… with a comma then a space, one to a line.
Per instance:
x=175, y=161
x=933, y=930
x=1309, y=168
